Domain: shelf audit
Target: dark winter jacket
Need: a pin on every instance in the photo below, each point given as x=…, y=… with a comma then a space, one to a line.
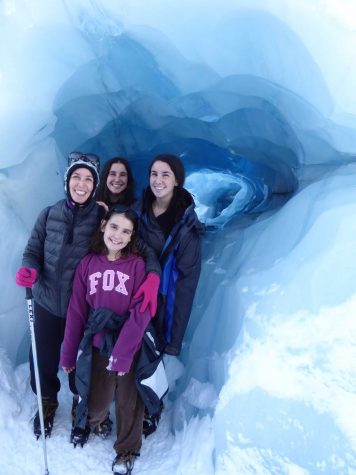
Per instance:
x=98, y=320
x=59, y=240
x=150, y=376
x=180, y=259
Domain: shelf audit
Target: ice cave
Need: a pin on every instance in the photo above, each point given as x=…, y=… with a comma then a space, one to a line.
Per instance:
x=258, y=99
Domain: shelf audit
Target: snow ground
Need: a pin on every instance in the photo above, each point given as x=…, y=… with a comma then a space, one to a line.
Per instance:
x=161, y=453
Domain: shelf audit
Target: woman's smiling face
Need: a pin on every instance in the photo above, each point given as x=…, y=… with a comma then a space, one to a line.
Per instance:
x=162, y=180
x=81, y=185
x=117, y=178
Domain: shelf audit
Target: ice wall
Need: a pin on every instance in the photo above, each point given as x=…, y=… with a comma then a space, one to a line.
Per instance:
x=273, y=334
x=258, y=100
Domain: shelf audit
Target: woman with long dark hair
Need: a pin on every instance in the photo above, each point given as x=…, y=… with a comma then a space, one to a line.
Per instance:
x=169, y=224
x=117, y=184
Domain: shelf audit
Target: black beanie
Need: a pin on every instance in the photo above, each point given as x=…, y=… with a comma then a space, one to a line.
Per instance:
x=175, y=165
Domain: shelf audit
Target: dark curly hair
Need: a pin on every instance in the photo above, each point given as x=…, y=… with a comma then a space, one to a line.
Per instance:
x=126, y=197
x=97, y=244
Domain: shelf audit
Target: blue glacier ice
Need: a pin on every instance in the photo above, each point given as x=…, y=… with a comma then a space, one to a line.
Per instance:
x=258, y=100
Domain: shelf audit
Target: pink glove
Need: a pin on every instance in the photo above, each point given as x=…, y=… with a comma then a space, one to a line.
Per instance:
x=149, y=290
x=26, y=276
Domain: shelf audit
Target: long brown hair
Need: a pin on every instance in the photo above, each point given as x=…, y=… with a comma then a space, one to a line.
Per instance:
x=126, y=197
x=97, y=244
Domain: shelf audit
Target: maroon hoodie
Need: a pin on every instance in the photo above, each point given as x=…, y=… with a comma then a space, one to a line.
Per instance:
x=99, y=282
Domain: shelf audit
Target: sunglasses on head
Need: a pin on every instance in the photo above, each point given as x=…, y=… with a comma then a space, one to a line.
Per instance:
x=85, y=157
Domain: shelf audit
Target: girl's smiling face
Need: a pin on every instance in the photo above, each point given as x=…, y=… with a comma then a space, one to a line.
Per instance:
x=118, y=231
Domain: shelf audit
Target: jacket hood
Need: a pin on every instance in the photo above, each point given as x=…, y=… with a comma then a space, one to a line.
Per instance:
x=190, y=217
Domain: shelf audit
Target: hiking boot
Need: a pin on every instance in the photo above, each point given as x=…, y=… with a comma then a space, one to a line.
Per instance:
x=123, y=463
x=150, y=421
x=79, y=436
x=103, y=430
x=49, y=407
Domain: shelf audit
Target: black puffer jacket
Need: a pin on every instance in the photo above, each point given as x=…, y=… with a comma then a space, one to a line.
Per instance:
x=59, y=240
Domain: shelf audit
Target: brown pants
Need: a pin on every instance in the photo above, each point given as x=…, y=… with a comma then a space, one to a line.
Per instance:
x=105, y=386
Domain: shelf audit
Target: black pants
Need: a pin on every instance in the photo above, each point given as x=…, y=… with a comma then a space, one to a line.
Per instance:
x=49, y=333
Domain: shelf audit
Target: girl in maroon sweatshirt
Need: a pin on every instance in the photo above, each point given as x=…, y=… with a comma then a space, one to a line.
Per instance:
x=109, y=278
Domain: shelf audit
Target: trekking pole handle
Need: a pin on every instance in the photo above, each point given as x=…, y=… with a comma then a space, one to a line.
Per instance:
x=28, y=293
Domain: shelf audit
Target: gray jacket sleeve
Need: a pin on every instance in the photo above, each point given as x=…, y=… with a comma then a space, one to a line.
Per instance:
x=34, y=250
x=149, y=255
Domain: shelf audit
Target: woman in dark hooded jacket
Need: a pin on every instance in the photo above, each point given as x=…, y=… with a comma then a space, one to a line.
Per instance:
x=169, y=224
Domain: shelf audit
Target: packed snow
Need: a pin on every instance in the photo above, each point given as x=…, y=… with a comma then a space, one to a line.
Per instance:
x=258, y=99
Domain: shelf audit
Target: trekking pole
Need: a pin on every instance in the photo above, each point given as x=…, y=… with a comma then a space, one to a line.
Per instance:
x=37, y=376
